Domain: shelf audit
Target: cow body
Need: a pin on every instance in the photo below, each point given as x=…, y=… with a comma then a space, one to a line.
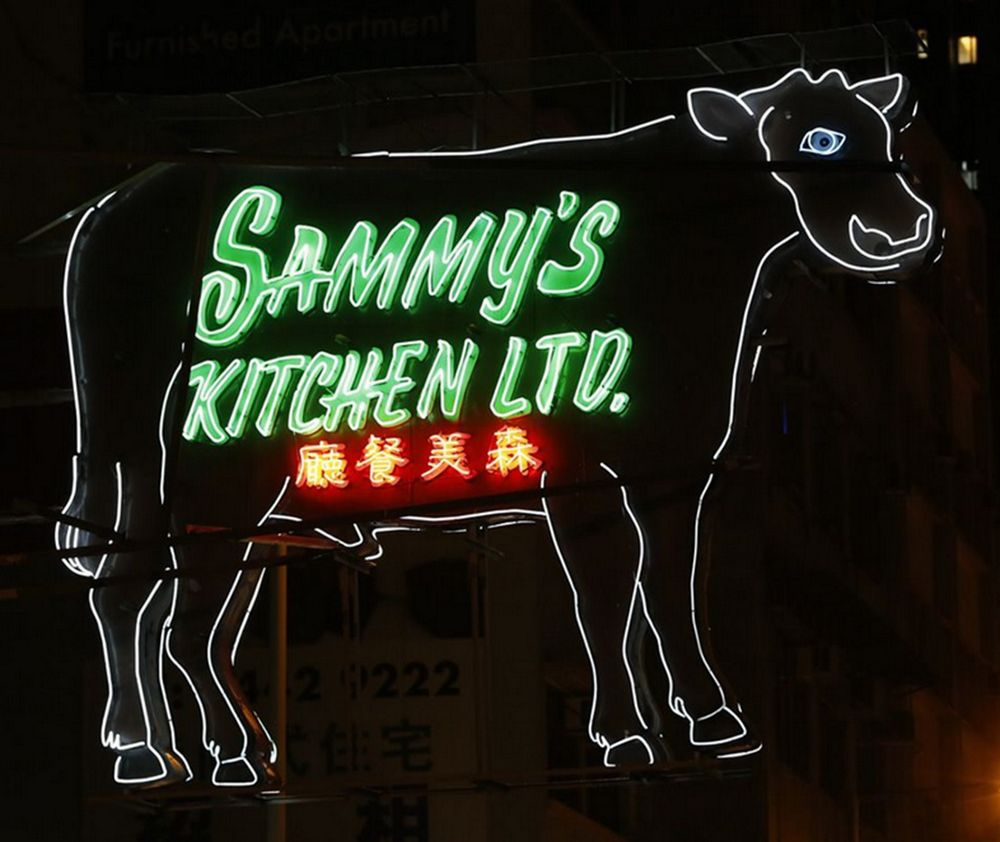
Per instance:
x=646, y=464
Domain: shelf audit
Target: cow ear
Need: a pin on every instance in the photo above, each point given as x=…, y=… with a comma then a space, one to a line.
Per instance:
x=886, y=93
x=718, y=114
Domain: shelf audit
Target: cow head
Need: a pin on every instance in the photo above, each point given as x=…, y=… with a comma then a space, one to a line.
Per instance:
x=864, y=221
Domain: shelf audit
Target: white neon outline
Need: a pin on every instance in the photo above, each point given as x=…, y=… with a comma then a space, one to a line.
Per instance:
x=733, y=754
x=853, y=88
x=721, y=138
x=72, y=541
x=756, y=356
x=742, y=337
x=599, y=739
x=676, y=705
x=212, y=747
x=542, y=141
x=855, y=224
x=163, y=417
x=164, y=634
x=798, y=71
x=636, y=587
x=888, y=149
x=513, y=517
x=632, y=738
x=473, y=516
x=242, y=756
x=801, y=217
x=112, y=739
x=164, y=642
x=67, y=537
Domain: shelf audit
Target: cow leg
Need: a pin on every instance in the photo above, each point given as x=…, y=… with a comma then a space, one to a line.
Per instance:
x=601, y=551
x=211, y=613
x=131, y=616
x=672, y=596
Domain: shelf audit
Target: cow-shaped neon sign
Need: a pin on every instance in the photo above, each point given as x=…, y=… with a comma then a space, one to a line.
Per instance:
x=276, y=390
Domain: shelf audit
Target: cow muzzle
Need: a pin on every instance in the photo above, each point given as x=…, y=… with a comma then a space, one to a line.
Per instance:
x=879, y=246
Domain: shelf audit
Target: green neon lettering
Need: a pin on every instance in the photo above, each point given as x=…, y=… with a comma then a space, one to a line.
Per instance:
x=246, y=400
x=283, y=369
x=397, y=382
x=441, y=261
x=354, y=392
x=511, y=274
x=599, y=377
x=558, y=346
x=503, y=404
x=228, y=306
x=322, y=371
x=568, y=203
x=369, y=271
x=601, y=219
x=210, y=385
x=303, y=271
x=447, y=381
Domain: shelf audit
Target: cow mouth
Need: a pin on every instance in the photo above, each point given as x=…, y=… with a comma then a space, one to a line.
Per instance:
x=877, y=245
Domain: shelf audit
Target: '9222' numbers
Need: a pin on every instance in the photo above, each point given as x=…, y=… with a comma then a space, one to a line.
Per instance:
x=383, y=680
x=414, y=679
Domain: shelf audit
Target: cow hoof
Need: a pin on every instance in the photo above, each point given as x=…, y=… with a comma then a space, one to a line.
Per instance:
x=720, y=727
x=743, y=748
x=141, y=766
x=243, y=771
x=630, y=751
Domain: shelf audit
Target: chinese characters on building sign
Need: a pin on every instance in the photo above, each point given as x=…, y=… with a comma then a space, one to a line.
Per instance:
x=325, y=465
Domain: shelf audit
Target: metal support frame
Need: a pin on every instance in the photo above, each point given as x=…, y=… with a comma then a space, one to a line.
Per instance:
x=277, y=818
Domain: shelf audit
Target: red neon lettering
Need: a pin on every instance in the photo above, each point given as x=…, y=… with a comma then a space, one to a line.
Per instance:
x=513, y=452
x=381, y=457
x=448, y=453
x=322, y=465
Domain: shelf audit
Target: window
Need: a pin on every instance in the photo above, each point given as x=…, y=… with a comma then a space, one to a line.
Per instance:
x=967, y=51
x=970, y=174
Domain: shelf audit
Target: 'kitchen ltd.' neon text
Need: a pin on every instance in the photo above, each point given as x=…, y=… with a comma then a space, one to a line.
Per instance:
x=306, y=394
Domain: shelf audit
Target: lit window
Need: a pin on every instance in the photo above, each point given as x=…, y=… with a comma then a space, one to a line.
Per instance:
x=921, y=43
x=968, y=49
x=970, y=174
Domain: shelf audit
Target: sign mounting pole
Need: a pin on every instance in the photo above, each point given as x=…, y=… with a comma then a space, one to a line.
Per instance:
x=277, y=819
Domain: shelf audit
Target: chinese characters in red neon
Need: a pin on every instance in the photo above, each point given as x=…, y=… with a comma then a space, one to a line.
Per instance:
x=325, y=465
x=448, y=453
x=381, y=457
x=322, y=465
x=513, y=452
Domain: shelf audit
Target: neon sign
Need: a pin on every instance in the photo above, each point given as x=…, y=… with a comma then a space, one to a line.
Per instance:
x=327, y=465
x=448, y=454
x=322, y=466
x=381, y=458
x=372, y=272
x=513, y=451
x=321, y=392
x=466, y=336
x=305, y=394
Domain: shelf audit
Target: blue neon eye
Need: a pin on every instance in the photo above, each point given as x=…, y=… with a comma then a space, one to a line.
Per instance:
x=820, y=141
